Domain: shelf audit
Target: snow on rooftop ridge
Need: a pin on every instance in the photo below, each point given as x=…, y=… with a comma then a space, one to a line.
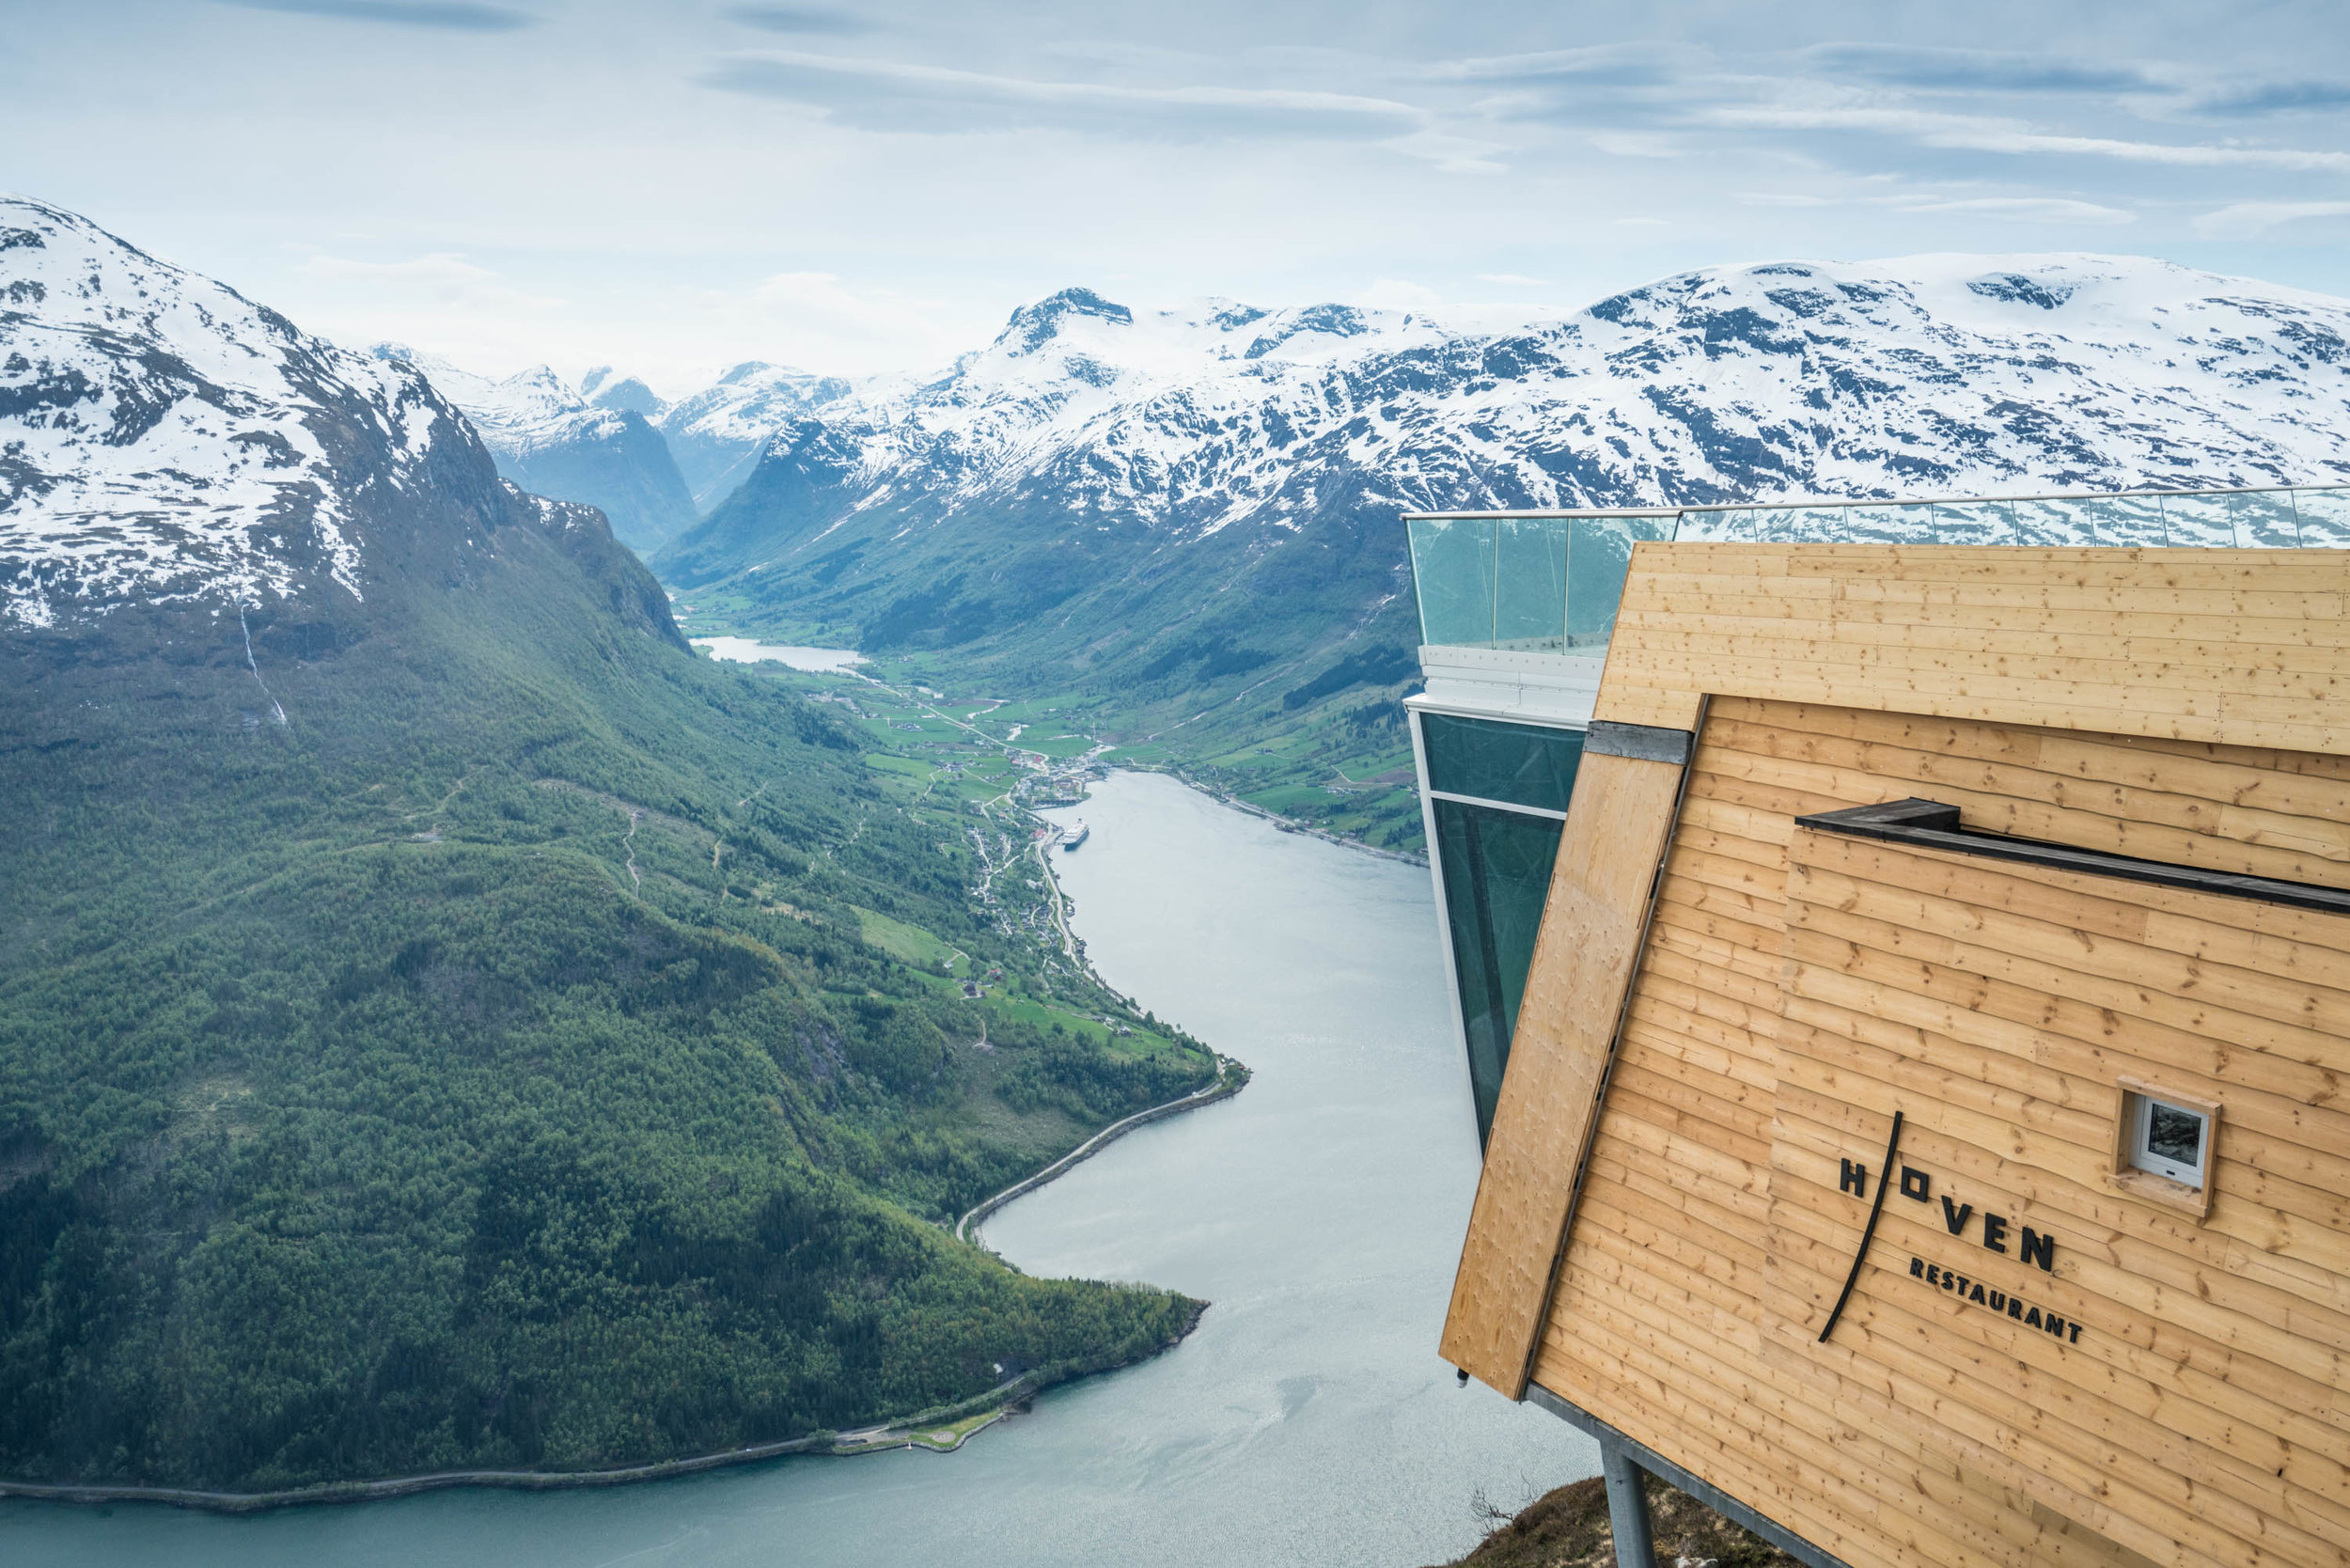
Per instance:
x=161, y=437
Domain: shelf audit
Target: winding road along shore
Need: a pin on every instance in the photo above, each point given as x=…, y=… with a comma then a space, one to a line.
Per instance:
x=1231, y=1078
x=925, y=1430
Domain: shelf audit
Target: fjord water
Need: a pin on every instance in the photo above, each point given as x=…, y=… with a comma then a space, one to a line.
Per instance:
x=747, y=651
x=1308, y=1421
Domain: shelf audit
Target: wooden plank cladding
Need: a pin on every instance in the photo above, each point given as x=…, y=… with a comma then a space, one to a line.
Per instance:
x=1617, y=821
x=2246, y=647
x=2048, y=1359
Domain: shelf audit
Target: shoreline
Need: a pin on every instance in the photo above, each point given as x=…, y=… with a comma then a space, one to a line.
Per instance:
x=923, y=1430
x=1232, y=1077
x=1286, y=824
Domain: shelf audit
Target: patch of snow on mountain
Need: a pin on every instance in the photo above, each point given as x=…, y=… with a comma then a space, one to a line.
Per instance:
x=161, y=434
x=1937, y=375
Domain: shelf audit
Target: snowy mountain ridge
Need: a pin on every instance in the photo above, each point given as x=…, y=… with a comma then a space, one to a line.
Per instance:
x=717, y=434
x=164, y=439
x=1928, y=375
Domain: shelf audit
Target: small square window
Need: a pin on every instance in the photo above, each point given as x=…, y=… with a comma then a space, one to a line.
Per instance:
x=2170, y=1140
x=2162, y=1146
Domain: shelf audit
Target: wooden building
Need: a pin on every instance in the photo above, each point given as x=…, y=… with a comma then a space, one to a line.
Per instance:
x=1926, y=1122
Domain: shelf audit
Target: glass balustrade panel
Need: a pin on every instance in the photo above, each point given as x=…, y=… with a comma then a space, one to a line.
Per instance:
x=1530, y=584
x=2264, y=520
x=1598, y=559
x=2322, y=518
x=1452, y=568
x=2205, y=521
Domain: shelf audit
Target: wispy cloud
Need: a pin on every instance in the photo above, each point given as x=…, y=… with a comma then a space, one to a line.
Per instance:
x=886, y=95
x=1987, y=134
x=458, y=16
x=803, y=18
x=2249, y=99
x=1514, y=280
x=1981, y=69
x=2247, y=220
x=1617, y=65
x=2025, y=209
x=442, y=278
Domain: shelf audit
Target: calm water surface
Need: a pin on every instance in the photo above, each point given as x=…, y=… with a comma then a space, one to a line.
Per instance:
x=743, y=651
x=1308, y=1421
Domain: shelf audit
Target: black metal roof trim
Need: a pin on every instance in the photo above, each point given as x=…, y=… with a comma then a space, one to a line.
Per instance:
x=1931, y=824
x=1645, y=742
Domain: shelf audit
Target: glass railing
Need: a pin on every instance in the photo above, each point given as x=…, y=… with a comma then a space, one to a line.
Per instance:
x=1549, y=582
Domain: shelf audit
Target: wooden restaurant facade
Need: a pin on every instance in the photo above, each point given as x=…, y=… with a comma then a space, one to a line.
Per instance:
x=1907, y=988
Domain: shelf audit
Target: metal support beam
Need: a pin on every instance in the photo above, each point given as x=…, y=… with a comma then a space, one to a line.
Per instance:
x=1612, y=1442
x=1627, y=1506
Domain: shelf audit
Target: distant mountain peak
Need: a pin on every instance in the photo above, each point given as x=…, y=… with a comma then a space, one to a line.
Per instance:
x=604, y=387
x=1031, y=326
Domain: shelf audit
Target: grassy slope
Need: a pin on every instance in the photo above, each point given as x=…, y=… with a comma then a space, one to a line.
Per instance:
x=362, y=1110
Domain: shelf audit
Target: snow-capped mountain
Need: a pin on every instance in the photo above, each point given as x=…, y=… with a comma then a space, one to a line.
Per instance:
x=163, y=439
x=553, y=442
x=173, y=454
x=1934, y=375
x=1135, y=485
x=604, y=387
x=717, y=433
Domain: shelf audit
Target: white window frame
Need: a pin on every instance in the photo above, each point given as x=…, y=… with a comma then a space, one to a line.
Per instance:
x=2143, y=1155
x=2141, y=1172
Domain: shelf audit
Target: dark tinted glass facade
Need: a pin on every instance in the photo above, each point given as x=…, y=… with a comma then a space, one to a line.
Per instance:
x=1495, y=865
x=1521, y=764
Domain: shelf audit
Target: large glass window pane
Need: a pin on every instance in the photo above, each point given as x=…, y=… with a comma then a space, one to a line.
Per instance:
x=1734, y=526
x=1525, y=764
x=2121, y=520
x=1453, y=568
x=1496, y=876
x=1531, y=592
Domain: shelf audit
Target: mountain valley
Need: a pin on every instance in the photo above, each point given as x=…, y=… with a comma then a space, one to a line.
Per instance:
x=443, y=1023
x=1187, y=522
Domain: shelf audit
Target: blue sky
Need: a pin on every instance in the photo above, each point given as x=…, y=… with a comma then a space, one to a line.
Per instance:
x=676, y=187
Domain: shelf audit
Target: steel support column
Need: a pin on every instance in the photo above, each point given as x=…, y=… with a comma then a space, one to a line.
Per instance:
x=1627, y=1506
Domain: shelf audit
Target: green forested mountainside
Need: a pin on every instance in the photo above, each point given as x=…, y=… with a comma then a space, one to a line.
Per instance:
x=486, y=1065
x=1248, y=658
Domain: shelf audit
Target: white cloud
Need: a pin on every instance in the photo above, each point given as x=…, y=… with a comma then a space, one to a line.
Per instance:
x=442, y=278
x=1984, y=133
x=1514, y=280
x=2026, y=209
x=890, y=95
x=1391, y=293
x=2246, y=220
x=824, y=322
